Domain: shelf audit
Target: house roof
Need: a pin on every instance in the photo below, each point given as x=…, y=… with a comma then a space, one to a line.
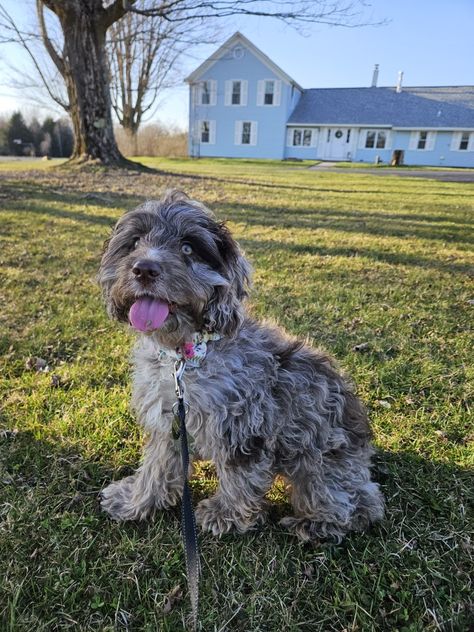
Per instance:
x=238, y=38
x=413, y=107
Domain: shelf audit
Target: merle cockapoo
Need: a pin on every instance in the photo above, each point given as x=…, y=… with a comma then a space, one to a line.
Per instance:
x=261, y=403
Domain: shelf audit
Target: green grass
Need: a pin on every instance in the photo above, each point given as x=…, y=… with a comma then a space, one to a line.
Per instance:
x=27, y=165
x=342, y=258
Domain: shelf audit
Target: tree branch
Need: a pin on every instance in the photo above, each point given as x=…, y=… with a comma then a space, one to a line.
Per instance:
x=23, y=42
x=115, y=11
x=57, y=59
x=348, y=13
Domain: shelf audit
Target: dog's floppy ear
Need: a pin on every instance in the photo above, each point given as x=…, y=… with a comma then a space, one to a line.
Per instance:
x=224, y=313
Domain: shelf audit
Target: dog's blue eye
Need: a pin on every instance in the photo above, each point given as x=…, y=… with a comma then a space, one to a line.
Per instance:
x=135, y=245
x=187, y=249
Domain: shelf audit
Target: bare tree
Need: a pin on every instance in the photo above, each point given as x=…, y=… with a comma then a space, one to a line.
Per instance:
x=143, y=55
x=82, y=59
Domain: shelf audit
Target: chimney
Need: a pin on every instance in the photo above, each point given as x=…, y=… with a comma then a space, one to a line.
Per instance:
x=399, y=81
x=375, y=76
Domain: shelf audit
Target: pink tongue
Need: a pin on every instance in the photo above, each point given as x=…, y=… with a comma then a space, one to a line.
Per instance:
x=148, y=314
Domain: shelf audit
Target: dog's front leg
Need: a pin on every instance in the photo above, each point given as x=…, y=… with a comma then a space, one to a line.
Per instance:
x=157, y=483
x=238, y=502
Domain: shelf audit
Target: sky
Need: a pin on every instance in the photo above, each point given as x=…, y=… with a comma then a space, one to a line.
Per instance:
x=430, y=40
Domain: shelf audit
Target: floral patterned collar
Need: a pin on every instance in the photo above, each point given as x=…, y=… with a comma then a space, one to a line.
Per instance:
x=193, y=352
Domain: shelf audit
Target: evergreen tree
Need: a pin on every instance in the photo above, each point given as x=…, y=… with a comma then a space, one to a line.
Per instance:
x=48, y=128
x=19, y=137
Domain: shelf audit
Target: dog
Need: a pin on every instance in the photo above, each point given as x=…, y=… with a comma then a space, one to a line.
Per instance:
x=261, y=403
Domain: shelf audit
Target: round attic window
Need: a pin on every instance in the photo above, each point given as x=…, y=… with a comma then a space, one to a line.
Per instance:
x=338, y=134
x=238, y=52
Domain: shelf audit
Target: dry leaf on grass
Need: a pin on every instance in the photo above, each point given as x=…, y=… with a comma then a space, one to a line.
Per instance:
x=172, y=598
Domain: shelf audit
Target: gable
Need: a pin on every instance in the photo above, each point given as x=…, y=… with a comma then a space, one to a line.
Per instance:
x=233, y=52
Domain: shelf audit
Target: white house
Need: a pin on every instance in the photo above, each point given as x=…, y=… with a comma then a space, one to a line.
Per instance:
x=242, y=105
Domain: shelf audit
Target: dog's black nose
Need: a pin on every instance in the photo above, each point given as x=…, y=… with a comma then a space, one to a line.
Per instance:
x=145, y=269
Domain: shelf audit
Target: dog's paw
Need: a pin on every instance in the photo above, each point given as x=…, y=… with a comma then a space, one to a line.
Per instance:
x=214, y=516
x=120, y=502
x=314, y=531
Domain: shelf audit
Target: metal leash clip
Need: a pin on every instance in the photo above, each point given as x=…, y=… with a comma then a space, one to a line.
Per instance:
x=179, y=367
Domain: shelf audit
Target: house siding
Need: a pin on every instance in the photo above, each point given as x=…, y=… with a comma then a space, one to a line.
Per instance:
x=441, y=154
x=271, y=120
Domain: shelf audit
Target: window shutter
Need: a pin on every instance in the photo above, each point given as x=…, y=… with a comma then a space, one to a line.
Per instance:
x=362, y=138
x=430, y=141
x=289, y=137
x=277, y=93
x=260, y=91
x=470, y=146
x=253, y=133
x=243, y=92
x=213, y=99
x=238, y=133
x=314, y=138
x=194, y=94
x=455, y=140
x=228, y=93
x=212, y=132
x=413, y=140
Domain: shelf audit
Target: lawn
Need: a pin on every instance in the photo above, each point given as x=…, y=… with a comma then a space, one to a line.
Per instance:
x=377, y=270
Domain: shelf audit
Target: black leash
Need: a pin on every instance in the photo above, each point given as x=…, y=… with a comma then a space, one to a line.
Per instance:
x=188, y=521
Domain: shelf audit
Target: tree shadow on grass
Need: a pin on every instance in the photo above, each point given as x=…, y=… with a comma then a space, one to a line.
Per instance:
x=413, y=225
x=321, y=184
x=400, y=225
x=392, y=258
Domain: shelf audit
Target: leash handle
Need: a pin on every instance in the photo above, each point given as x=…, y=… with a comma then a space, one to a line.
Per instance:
x=188, y=521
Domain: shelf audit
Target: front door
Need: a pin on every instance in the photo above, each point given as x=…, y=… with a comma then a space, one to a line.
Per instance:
x=338, y=143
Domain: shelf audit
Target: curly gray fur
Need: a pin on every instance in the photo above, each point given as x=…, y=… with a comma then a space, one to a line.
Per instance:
x=262, y=403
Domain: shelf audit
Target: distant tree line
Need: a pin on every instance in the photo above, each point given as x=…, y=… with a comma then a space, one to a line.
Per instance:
x=50, y=138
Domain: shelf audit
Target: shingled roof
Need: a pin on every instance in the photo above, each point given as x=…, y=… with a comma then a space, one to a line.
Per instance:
x=418, y=107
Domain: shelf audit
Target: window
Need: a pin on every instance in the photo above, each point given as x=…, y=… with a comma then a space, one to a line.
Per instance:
x=381, y=138
x=246, y=133
x=307, y=137
x=206, y=93
x=375, y=139
x=370, y=140
x=236, y=92
x=348, y=137
x=422, y=138
x=205, y=132
x=422, y=141
x=300, y=137
x=296, y=137
x=464, y=142
x=269, y=92
x=328, y=136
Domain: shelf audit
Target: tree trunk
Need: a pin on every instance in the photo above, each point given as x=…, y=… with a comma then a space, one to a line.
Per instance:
x=132, y=141
x=84, y=29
